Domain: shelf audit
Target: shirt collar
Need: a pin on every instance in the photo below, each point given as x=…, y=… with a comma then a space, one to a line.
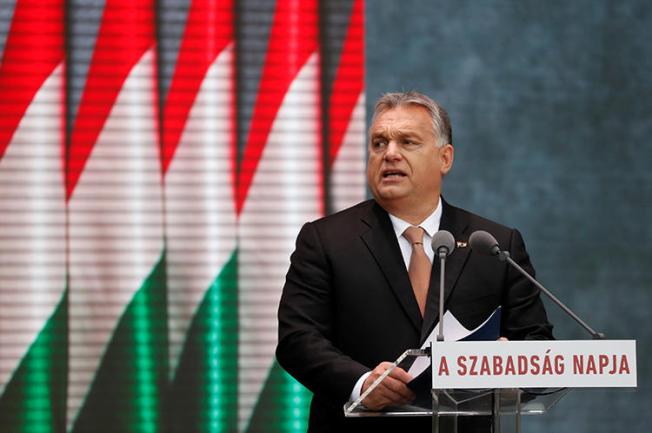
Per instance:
x=430, y=224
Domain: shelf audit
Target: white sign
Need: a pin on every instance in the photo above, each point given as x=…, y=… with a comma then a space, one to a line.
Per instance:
x=534, y=364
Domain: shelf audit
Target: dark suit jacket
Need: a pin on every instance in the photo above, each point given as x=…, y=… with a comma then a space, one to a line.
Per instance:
x=348, y=305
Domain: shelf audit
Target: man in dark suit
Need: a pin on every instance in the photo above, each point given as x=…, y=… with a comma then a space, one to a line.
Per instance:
x=355, y=296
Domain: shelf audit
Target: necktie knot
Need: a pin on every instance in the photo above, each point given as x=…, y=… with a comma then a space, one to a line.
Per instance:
x=414, y=235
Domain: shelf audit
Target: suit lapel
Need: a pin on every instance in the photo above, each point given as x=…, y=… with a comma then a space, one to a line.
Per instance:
x=457, y=223
x=383, y=246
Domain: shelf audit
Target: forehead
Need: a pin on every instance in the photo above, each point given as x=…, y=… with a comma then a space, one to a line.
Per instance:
x=408, y=118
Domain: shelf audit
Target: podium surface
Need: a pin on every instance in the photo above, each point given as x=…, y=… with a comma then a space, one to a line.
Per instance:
x=481, y=402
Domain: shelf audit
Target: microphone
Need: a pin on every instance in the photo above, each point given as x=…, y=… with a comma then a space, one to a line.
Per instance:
x=485, y=243
x=443, y=244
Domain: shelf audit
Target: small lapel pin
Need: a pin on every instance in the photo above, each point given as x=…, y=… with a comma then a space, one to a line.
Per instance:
x=460, y=244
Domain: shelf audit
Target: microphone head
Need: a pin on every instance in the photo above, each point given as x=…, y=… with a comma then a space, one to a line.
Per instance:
x=484, y=243
x=443, y=241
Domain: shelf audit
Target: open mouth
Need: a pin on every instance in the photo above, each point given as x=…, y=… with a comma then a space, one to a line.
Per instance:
x=393, y=174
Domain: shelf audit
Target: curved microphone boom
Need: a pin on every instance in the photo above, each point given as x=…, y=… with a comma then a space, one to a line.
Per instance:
x=484, y=243
x=443, y=244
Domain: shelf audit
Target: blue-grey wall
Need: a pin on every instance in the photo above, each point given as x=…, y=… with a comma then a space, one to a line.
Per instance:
x=551, y=103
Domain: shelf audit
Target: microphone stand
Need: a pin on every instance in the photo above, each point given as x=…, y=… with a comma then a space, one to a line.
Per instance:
x=442, y=252
x=442, y=260
x=504, y=256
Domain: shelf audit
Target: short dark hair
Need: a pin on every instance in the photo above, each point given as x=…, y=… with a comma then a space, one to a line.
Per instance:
x=441, y=123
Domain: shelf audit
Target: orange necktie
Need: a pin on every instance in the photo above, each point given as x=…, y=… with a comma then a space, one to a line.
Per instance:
x=420, y=266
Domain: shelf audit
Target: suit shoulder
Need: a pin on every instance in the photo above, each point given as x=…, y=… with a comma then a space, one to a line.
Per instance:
x=341, y=227
x=345, y=216
x=477, y=222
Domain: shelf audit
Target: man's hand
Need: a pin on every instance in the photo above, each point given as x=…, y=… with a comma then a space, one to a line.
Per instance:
x=392, y=391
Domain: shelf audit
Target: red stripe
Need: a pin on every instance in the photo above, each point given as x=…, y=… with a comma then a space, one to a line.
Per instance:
x=126, y=32
x=33, y=50
x=209, y=30
x=293, y=38
x=349, y=81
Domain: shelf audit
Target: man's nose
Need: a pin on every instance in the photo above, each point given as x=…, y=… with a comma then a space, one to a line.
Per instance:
x=393, y=151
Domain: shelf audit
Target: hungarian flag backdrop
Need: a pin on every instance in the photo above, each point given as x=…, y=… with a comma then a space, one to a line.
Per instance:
x=157, y=160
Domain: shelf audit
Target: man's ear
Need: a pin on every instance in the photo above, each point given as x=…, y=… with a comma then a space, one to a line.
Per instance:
x=446, y=156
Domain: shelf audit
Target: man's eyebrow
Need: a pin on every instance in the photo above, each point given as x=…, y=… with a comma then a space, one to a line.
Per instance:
x=396, y=134
x=408, y=134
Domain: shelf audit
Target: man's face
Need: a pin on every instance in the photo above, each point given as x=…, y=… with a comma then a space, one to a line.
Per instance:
x=405, y=166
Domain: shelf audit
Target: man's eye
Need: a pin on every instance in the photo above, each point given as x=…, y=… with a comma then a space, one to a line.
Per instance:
x=378, y=144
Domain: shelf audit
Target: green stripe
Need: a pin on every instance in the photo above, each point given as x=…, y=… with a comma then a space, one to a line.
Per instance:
x=127, y=393
x=283, y=405
x=204, y=392
x=34, y=400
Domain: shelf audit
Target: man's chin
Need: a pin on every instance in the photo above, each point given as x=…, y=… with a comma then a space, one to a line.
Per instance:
x=386, y=195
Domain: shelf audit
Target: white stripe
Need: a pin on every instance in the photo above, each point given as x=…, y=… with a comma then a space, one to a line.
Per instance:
x=32, y=228
x=284, y=194
x=200, y=214
x=115, y=226
x=348, y=178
